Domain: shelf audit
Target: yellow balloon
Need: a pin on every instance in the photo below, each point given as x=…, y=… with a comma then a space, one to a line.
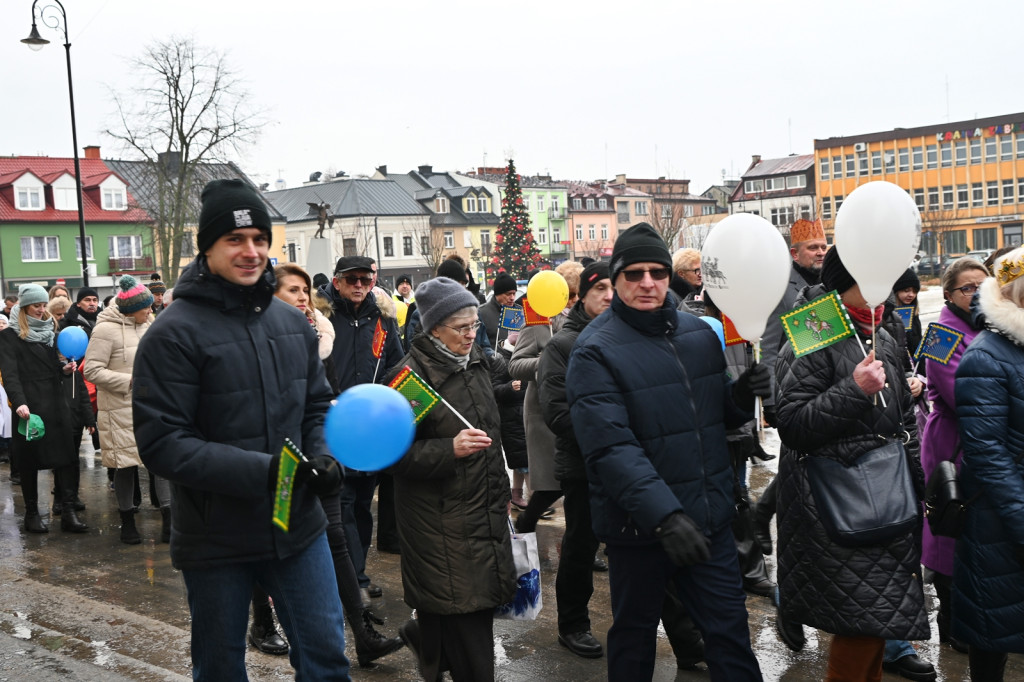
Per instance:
x=548, y=293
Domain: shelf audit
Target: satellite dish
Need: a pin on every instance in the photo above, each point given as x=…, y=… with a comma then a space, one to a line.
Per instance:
x=315, y=177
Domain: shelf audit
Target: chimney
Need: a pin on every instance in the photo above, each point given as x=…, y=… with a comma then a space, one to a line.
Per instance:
x=383, y=170
x=92, y=151
x=754, y=160
x=170, y=162
x=620, y=179
x=426, y=170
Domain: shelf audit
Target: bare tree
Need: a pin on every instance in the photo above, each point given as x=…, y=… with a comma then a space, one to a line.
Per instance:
x=667, y=223
x=434, y=253
x=186, y=108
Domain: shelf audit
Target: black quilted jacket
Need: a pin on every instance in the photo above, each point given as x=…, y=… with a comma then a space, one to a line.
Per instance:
x=874, y=590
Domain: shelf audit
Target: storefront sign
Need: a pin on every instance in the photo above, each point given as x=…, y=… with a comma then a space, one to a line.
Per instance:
x=988, y=131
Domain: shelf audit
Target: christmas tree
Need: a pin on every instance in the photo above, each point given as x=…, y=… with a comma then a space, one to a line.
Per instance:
x=514, y=249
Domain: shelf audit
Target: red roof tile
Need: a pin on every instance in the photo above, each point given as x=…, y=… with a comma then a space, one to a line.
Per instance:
x=48, y=169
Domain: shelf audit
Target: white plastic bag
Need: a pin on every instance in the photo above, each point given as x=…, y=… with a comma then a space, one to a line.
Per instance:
x=527, y=603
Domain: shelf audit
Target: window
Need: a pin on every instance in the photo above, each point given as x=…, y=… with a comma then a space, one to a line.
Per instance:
x=782, y=216
x=876, y=163
x=113, y=199
x=440, y=205
x=919, y=199
x=990, y=149
x=188, y=247
x=1006, y=147
x=590, y=204
x=796, y=181
x=961, y=153
x=753, y=186
x=577, y=203
x=805, y=212
x=579, y=233
x=88, y=248
x=424, y=245
x=837, y=166
x=641, y=207
x=39, y=249
x=839, y=202
x=348, y=247
x=918, y=158
x=862, y=163
x=1007, y=192
x=707, y=209
x=125, y=246
x=526, y=202
x=467, y=239
x=904, y=155
x=470, y=204
x=1020, y=145
x=823, y=168
x=851, y=165
x=407, y=245
x=482, y=205
x=1020, y=189
x=947, y=197
x=449, y=240
x=602, y=204
x=591, y=234
x=622, y=211
x=554, y=203
x=65, y=198
x=933, y=198
x=947, y=154
x=962, y=199
x=389, y=247
x=687, y=211
x=933, y=156
x=826, y=208
x=666, y=211
x=540, y=202
x=955, y=241
x=556, y=235
x=976, y=150
x=774, y=184
x=542, y=236
x=485, y=242
x=977, y=194
x=604, y=231
x=985, y=238
x=30, y=198
x=992, y=190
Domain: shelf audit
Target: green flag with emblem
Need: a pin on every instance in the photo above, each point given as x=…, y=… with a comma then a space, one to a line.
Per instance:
x=817, y=324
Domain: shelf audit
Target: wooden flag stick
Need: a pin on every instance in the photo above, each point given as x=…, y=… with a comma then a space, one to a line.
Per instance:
x=758, y=407
x=380, y=356
x=865, y=351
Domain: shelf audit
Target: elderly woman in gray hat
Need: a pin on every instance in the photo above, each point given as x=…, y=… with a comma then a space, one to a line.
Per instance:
x=452, y=495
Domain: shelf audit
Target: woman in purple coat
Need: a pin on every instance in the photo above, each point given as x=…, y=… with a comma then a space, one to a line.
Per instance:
x=941, y=440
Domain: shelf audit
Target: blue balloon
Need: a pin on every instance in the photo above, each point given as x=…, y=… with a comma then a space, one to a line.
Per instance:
x=72, y=342
x=370, y=427
x=717, y=326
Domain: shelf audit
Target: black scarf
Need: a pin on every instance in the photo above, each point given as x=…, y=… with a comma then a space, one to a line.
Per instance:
x=810, y=276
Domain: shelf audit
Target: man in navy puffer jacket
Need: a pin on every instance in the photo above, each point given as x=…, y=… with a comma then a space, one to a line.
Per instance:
x=650, y=404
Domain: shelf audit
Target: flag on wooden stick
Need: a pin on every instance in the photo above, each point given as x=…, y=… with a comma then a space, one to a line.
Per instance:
x=818, y=324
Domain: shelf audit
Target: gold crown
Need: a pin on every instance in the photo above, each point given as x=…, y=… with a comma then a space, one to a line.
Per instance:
x=804, y=230
x=1009, y=270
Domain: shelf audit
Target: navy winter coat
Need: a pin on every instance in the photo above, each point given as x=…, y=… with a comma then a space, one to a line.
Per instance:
x=650, y=405
x=221, y=378
x=352, y=355
x=988, y=570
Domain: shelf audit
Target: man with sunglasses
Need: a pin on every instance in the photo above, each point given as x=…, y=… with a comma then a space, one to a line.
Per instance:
x=650, y=403
x=355, y=319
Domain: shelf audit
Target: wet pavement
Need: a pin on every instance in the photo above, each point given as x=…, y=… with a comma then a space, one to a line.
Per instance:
x=87, y=607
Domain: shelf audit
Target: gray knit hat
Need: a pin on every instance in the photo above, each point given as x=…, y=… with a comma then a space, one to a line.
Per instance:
x=31, y=293
x=438, y=298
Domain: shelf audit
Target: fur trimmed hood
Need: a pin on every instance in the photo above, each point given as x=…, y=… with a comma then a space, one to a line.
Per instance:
x=1001, y=315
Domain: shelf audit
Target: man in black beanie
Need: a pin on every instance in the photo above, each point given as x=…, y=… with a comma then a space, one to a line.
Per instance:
x=503, y=295
x=83, y=311
x=650, y=401
x=221, y=381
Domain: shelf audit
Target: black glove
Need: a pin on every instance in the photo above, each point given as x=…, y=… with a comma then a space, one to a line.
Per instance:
x=756, y=381
x=322, y=474
x=770, y=418
x=682, y=540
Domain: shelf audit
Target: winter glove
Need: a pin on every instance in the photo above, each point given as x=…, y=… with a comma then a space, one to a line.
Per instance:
x=682, y=540
x=770, y=418
x=322, y=474
x=756, y=381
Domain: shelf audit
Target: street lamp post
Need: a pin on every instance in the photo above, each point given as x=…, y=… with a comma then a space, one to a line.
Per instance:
x=48, y=15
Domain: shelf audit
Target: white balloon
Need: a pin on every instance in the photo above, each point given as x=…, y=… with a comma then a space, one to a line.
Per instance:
x=746, y=264
x=878, y=230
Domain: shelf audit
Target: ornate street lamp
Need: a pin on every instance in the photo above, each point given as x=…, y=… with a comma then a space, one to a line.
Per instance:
x=48, y=14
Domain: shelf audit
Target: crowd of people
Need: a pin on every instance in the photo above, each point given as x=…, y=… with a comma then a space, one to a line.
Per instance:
x=627, y=405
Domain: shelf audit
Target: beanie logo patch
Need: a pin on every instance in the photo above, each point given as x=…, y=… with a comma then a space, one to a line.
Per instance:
x=243, y=218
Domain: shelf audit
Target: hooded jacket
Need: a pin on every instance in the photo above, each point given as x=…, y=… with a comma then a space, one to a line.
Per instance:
x=352, y=355
x=108, y=364
x=221, y=379
x=650, y=405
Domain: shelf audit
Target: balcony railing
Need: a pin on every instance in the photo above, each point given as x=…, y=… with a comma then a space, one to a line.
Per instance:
x=557, y=213
x=130, y=264
x=559, y=248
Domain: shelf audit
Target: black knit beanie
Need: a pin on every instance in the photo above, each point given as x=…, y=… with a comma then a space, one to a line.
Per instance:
x=229, y=205
x=503, y=284
x=85, y=291
x=591, y=275
x=908, y=280
x=453, y=269
x=639, y=244
x=834, y=274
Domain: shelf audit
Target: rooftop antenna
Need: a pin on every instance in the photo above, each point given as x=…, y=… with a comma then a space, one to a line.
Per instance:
x=947, y=98
x=789, y=122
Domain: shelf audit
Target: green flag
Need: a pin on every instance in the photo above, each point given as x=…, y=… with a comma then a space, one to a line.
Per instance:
x=290, y=457
x=817, y=324
x=418, y=392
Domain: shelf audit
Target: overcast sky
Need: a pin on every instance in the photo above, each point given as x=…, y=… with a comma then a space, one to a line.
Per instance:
x=580, y=90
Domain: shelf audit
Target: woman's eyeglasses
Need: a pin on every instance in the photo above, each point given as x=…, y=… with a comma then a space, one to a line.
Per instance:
x=657, y=274
x=967, y=289
x=466, y=330
x=356, y=279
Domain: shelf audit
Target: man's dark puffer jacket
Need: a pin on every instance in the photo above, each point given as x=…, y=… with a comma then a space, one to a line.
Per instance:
x=221, y=378
x=650, y=404
x=871, y=591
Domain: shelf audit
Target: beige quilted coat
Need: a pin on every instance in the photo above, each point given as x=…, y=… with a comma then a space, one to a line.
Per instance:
x=108, y=364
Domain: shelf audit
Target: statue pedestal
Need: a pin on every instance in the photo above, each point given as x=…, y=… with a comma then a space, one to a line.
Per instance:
x=319, y=257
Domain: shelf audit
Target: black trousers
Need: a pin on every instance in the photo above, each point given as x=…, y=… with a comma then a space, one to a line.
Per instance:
x=711, y=592
x=574, y=582
x=461, y=643
x=357, y=515
x=387, y=524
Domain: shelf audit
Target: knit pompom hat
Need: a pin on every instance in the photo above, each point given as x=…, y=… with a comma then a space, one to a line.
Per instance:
x=132, y=296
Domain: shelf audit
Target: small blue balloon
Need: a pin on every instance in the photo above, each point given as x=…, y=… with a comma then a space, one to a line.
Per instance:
x=72, y=343
x=370, y=427
x=717, y=326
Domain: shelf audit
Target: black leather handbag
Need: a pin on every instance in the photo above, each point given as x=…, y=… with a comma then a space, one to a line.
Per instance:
x=867, y=503
x=944, y=503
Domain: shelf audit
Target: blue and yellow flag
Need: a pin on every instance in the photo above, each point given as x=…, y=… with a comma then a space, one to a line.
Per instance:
x=512, y=318
x=817, y=324
x=906, y=314
x=939, y=343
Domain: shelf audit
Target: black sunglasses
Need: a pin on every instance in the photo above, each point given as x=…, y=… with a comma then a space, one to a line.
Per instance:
x=657, y=274
x=356, y=279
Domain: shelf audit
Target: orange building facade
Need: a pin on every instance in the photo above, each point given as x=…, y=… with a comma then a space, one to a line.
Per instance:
x=967, y=179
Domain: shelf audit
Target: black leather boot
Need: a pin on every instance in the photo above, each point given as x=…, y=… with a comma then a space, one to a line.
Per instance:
x=370, y=644
x=263, y=633
x=165, y=526
x=129, y=533
x=69, y=521
x=30, y=493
